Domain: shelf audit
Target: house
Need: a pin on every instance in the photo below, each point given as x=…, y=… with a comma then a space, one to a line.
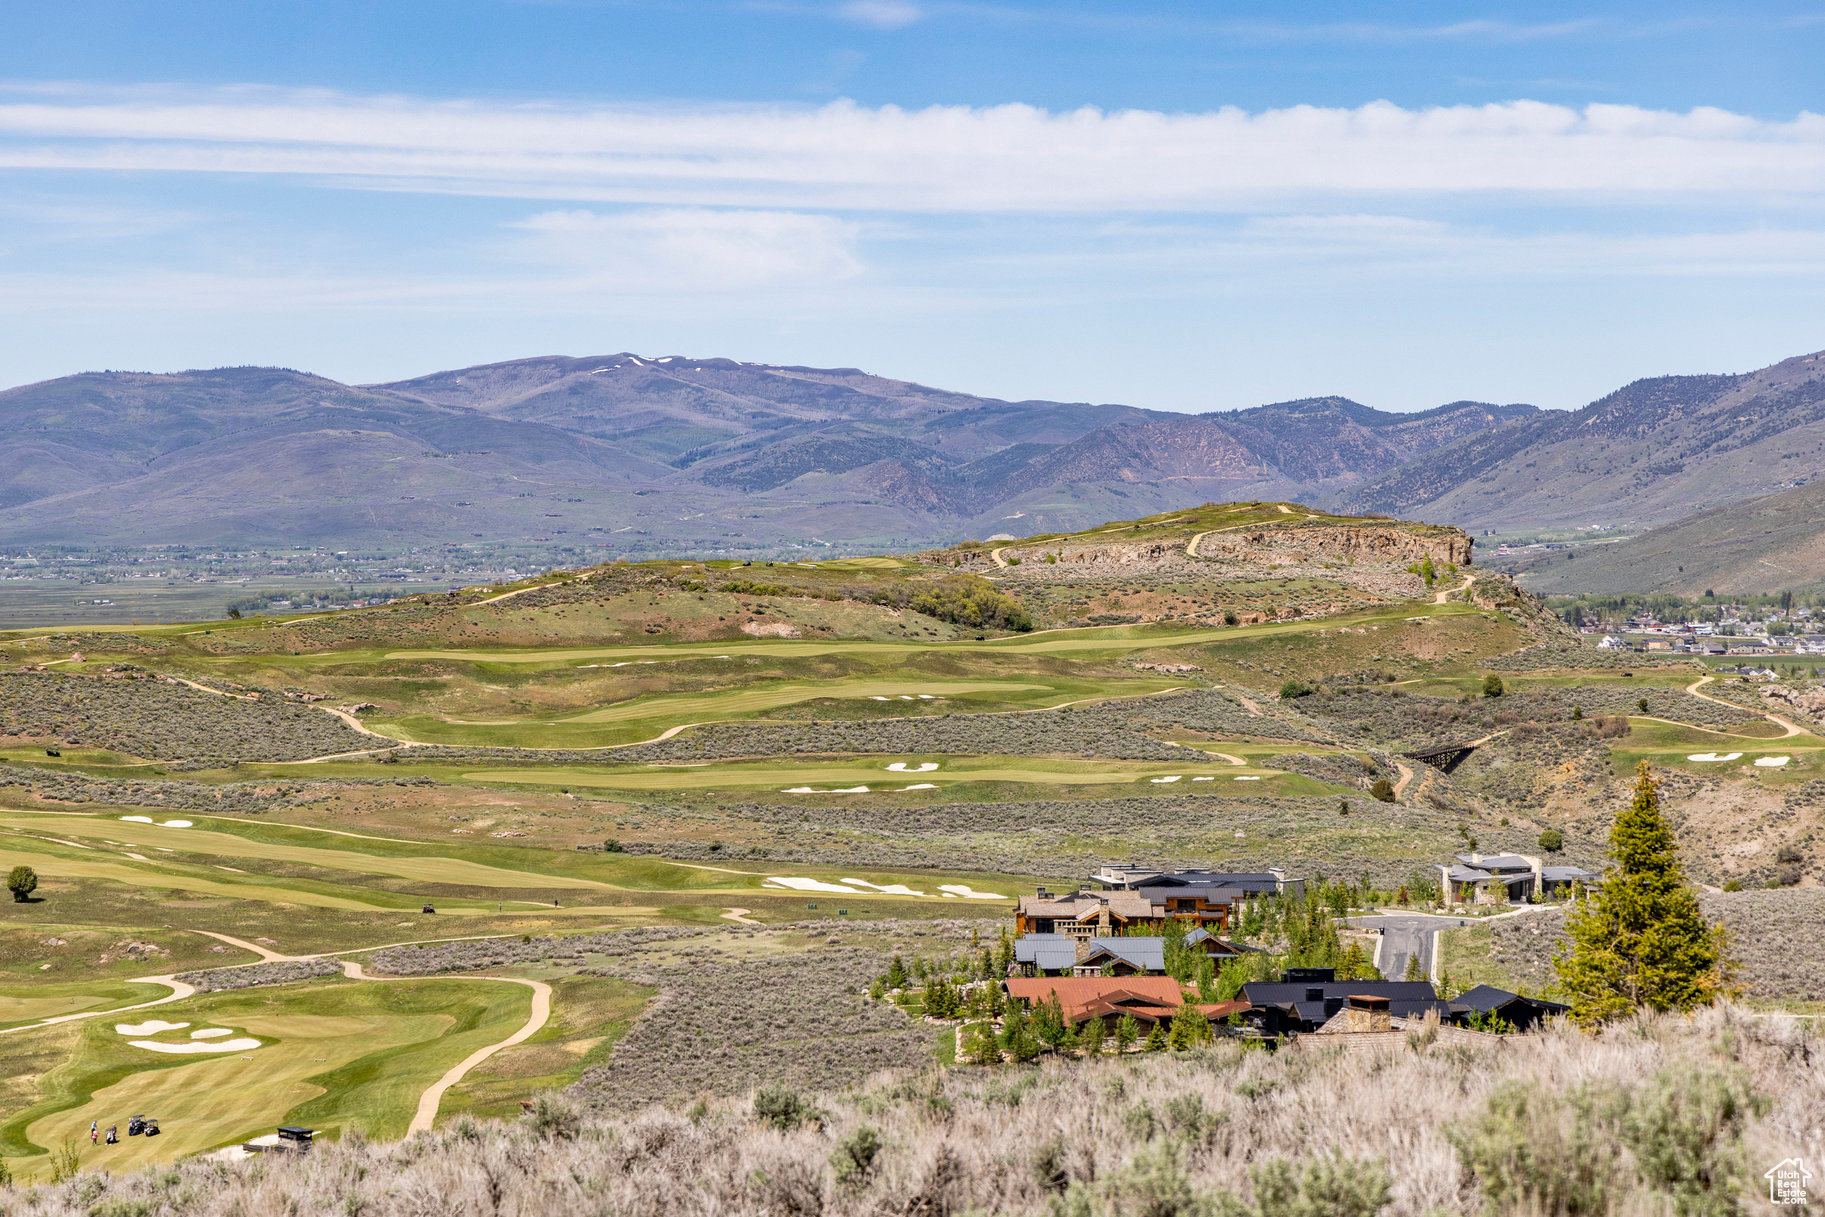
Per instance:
x=1149, y=1000
x=1522, y=1013
x=1065, y=955
x=1133, y=876
x=1490, y=878
x=1614, y=642
x=1560, y=880
x=1217, y=948
x=1306, y=999
x=1088, y=914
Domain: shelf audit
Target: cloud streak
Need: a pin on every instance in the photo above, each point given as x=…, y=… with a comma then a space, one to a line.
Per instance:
x=843, y=156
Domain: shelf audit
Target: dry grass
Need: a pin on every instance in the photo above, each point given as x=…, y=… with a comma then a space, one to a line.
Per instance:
x=1418, y=1131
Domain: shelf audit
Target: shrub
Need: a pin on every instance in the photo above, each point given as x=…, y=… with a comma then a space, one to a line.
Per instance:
x=21, y=881
x=1383, y=790
x=1330, y=1185
x=783, y=1108
x=1294, y=689
x=1552, y=840
x=555, y=1117
x=1492, y=685
x=853, y=1159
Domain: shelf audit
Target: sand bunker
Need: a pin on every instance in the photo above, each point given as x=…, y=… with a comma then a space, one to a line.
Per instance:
x=1204, y=779
x=1714, y=756
x=1772, y=762
x=921, y=786
x=137, y=819
x=175, y=824
x=909, y=767
x=891, y=889
x=1247, y=777
x=151, y=1026
x=809, y=885
x=811, y=790
x=210, y=1033
x=235, y=1045
x=1174, y=778
x=968, y=893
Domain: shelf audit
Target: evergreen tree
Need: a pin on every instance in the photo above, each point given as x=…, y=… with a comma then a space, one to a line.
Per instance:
x=1156, y=1038
x=1127, y=1030
x=1189, y=1028
x=1049, y=1022
x=1640, y=940
x=896, y=974
x=1092, y=1036
x=1017, y=1036
x=1414, y=970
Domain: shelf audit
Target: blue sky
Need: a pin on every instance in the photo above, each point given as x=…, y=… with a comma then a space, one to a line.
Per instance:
x=1184, y=206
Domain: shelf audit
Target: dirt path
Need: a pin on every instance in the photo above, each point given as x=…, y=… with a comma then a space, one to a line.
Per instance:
x=433, y=1097
x=1449, y=592
x=1786, y=725
x=266, y=954
x=995, y=556
x=1406, y=776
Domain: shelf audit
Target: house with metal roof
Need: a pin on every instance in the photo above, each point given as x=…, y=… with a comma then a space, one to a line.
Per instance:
x=1521, y=1013
x=1149, y=1000
x=1305, y=999
x=1064, y=955
x=1133, y=876
x=1092, y=914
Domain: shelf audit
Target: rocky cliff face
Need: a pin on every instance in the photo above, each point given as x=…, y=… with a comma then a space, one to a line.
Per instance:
x=1352, y=542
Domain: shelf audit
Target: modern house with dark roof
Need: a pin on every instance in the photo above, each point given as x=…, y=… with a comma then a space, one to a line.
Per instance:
x=1521, y=1013
x=1133, y=876
x=1507, y=879
x=1305, y=999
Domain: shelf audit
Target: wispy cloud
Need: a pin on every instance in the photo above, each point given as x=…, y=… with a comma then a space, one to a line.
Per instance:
x=944, y=158
x=881, y=14
x=692, y=250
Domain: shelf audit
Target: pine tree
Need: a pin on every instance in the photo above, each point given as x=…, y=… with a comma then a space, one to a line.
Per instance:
x=1640, y=940
x=1127, y=1030
x=1092, y=1036
x=1017, y=1034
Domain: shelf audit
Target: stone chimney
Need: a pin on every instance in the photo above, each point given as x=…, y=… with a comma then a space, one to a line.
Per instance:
x=1363, y=1012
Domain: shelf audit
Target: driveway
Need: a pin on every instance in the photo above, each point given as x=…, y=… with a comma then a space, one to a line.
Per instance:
x=1404, y=936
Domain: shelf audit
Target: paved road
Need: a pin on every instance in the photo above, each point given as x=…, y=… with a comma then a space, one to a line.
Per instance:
x=1404, y=936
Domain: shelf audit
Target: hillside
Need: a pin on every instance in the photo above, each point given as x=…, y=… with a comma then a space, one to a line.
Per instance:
x=644, y=456
x=1763, y=545
x=1650, y=453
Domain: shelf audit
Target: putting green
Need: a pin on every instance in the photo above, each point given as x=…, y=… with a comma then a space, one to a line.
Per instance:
x=334, y=1056
x=49, y=1001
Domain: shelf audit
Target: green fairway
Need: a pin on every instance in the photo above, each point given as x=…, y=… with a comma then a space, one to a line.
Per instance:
x=1674, y=746
x=350, y=856
x=336, y=1056
x=737, y=701
x=41, y=1001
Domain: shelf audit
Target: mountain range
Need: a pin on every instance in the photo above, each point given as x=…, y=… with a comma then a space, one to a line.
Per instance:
x=662, y=454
